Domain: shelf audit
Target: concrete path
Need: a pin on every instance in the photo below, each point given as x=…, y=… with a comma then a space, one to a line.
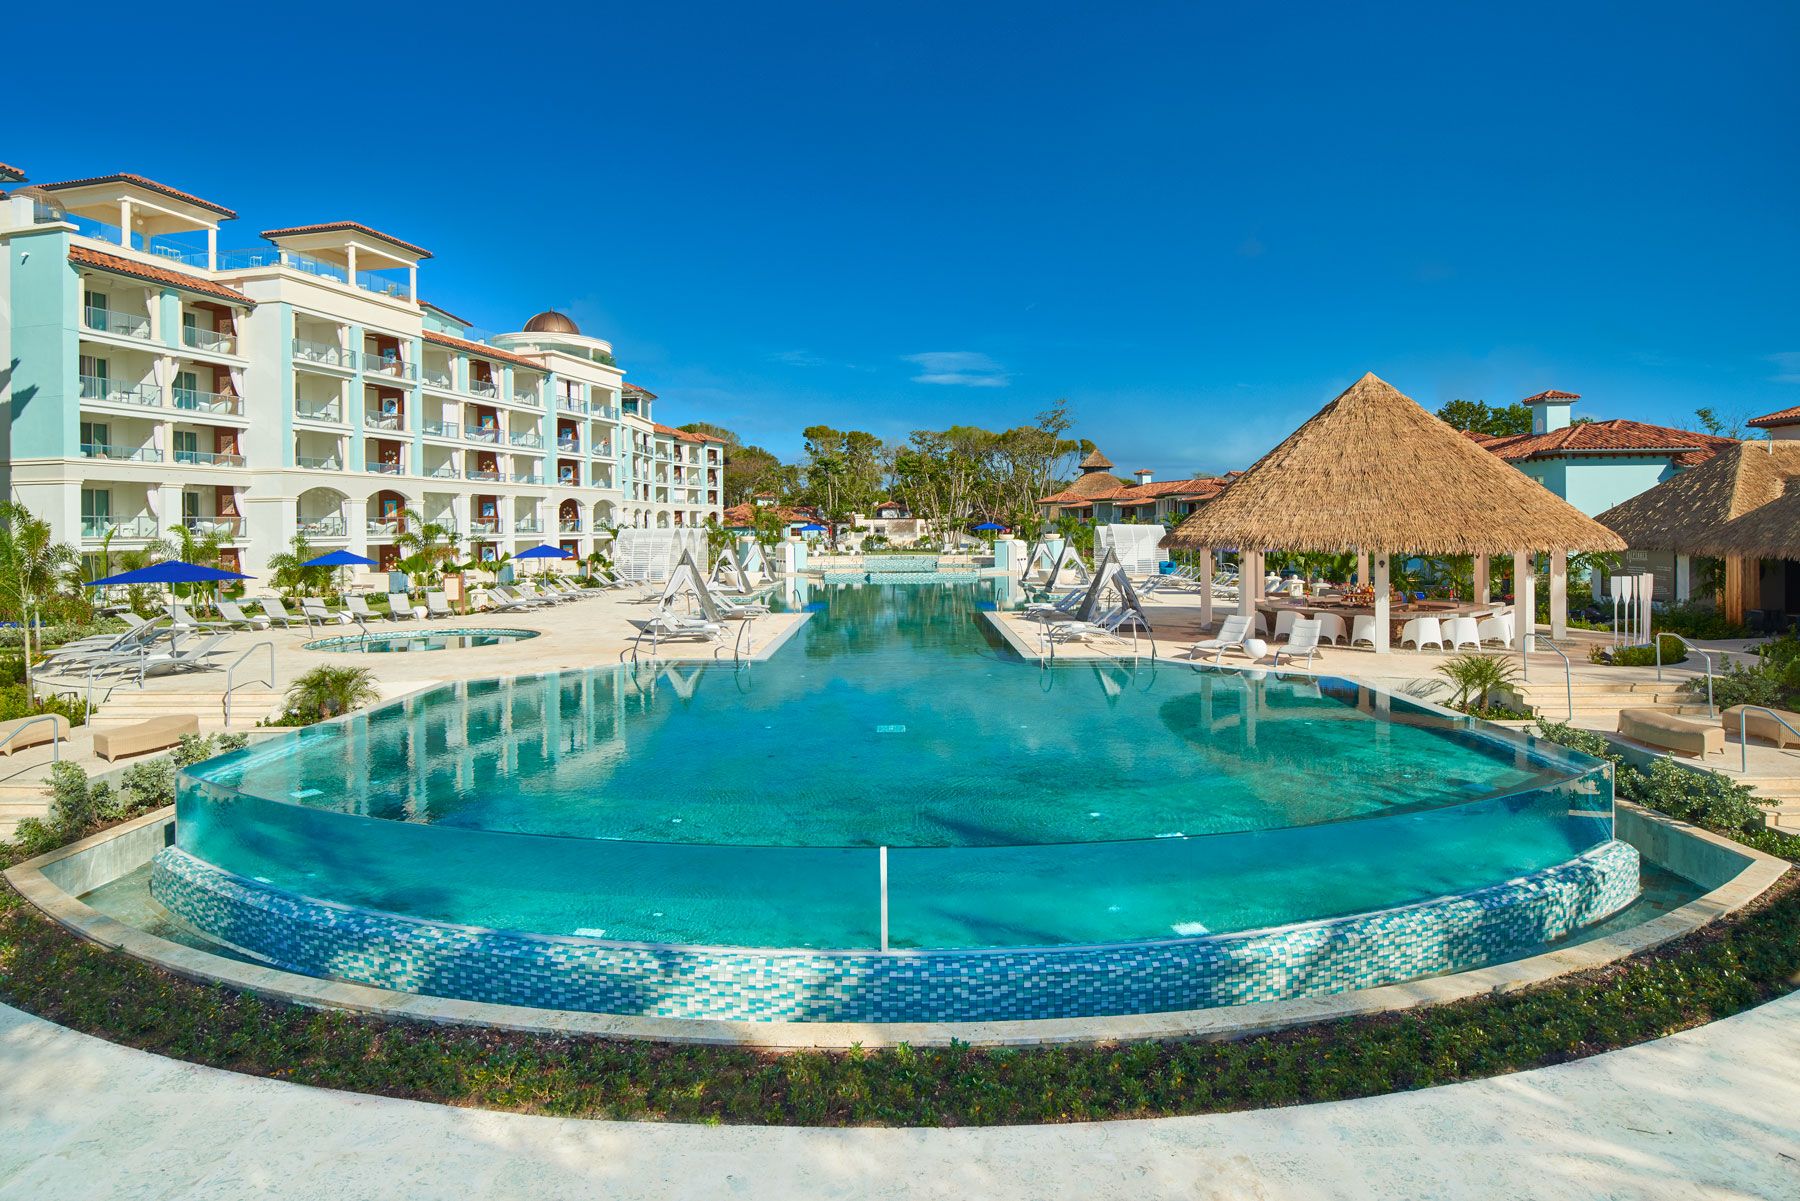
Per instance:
x=1713, y=1112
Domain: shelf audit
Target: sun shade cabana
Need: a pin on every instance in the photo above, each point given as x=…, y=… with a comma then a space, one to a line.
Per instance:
x=1373, y=472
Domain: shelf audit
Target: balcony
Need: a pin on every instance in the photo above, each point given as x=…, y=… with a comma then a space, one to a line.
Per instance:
x=378, y=468
x=528, y=479
x=481, y=387
x=572, y=445
x=388, y=365
x=442, y=429
x=375, y=420
x=377, y=528
x=529, y=439
x=122, y=325
x=318, y=463
x=484, y=475
x=99, y=388
x=603, y=451
x=486, y=525
x=329, y=411
x=131, y=527
x=211, y=341
x=446, y=472
x=603, y=412
x=568, y=479
x=324, y=527
x=202, y=526
x=571, y=404
x=530, y=400
x=121, y=454
x=528, y=525
x=327, y=354
x=486, y=433
x=209, y=458
x=221, y=403
x=441, y=380
x=570, y=527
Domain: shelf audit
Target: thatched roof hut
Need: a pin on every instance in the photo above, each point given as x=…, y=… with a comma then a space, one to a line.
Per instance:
x=1682, y=514
x=1373, y=470
x=1769, y=532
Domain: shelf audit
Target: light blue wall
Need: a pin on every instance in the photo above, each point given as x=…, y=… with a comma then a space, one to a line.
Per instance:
x=1596, y=485
x=46, y=298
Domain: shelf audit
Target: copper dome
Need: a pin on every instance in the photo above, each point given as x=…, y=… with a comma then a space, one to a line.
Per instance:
x=551, y=322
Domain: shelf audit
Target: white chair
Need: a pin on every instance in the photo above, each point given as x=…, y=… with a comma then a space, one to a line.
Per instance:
x=317, y=614
x=235, y=616
x=1259, y=625
x=1331, y=628
x=1460, y=632
x=1303, y=640
x=1495, y=629
x=359, y=609
x=437, y=606
x=400, y=607
x=1423, y=632
x=1284, y=624
x=1232, y=635
x=1363, y=629
x=278, y=614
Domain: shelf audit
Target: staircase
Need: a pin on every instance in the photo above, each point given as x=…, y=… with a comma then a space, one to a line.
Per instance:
x=1597, y=702
x=250, y=704
x=18, y=801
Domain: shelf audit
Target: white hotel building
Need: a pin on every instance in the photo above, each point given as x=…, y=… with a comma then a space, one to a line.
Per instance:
x=302, y=385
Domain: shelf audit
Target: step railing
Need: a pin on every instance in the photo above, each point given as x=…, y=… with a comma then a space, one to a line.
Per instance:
x=56, y=734
x=231, y=685
x=1568, y=669
x=1698, y=650
x=1744, y=713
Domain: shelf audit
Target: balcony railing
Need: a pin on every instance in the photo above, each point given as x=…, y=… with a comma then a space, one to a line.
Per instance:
x=439, y=379
x=486, y=525
x=124, y=325
x=568, y=479
x=209, y=458
x=528, y=525
x=602, y=451
x=214, y=525
x=442, y=429
x=130, y=527
x=96, y=387
x=571, y=404
x=121, y=454
x=484, y=433
x=329, y=354
x=323, y=527
x=528, y=479
x=378, y=363
x=530, y=400
x=570, y=527
x=222, y=403
x=379, y=468
x=447, y=471
x=318, y=462
x=484, y=475
x=376, y=420
x=481, y=387
x=603, y=412
x=572, y=445
x=324, y=412
x=529, y=439
x=210, y=340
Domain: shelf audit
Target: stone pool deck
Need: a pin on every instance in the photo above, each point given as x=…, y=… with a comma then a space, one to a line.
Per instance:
x=1711, y=1112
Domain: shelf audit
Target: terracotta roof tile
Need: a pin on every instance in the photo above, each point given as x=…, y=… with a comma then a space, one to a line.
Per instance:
x=646, y=393
x=438, y=308
x=11, y=173
x=81, y=256
x=1779, y=417
x=1206, y=487
x=1617, y=436
x=683, y=435
x=1096, y=459
x=357, y=226
x=482, y=349
x=1552, y=394
x=140, y=181
x=744, y=515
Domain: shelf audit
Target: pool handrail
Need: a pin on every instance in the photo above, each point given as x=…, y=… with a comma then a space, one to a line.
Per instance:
x=57, y=737
x=1657, y=637
x=225, y=699
x=1744, y=712
x=1568, y=670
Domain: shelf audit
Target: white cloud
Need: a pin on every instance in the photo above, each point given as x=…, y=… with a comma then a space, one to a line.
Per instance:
x=798, y=358
x=960, y=368
x=1787, y=366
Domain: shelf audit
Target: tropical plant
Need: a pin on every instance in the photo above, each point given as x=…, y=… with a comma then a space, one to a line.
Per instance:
x=1477, y=678
x=36, y=576
x=427, y=545
x=289, y=573
x=326, y=692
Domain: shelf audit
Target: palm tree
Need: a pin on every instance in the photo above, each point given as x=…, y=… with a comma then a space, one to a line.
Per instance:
x=329, y=691
x=289, y=573
x=429, y=544
x=201, y=551
x=33, y=569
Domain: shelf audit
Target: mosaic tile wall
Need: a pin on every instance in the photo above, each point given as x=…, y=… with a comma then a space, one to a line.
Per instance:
x=1449, y=934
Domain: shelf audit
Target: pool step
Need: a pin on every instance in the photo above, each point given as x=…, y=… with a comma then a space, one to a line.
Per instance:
x=249, y=705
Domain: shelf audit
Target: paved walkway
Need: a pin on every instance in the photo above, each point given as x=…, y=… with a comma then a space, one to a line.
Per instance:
x=1713, y=1112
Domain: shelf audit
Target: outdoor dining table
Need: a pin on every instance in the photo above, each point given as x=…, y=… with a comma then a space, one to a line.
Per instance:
x=1398, y=614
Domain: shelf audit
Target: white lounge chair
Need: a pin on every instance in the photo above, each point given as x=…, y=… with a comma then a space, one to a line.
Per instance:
x=437, y=606
x=237, y=619
x=359, y=609
x=317, y=614
x=1303, y=639
x=1057, y=609
x=1232, y=635
x=1107, y=627
x=190, y=658
x=278, y=613
x=1284, y=624
x=668, y=625
x=504, y=599
x=400, y=607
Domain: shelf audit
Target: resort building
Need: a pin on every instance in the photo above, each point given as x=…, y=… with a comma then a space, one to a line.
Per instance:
x=1098, y=496
x=159, y=383
x=1595, y=465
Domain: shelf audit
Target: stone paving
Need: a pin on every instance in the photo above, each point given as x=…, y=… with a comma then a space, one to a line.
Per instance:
x=1707, y=1113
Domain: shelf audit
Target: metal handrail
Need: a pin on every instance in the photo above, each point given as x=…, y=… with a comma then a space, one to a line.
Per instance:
x=229, y=686
x=56, y=735
x=1744, y=729
x=1568, y=670
x=1657, y=638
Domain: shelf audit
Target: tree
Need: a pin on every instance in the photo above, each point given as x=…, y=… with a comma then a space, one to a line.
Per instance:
x=329, y=692
x=34, y=569
x=1734, y=426
x=289, y=574
x=716, y=432
x=1478, y=417
x=428, y=546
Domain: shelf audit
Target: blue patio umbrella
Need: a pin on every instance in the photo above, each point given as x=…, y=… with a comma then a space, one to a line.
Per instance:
x=339, y=558
x=545, y=552
x=172, y=571
x=812, y=527
x=989, y=525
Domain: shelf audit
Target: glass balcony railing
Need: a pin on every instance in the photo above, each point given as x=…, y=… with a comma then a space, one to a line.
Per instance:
x=528, y=439
x=318, y=462
x=391, y=366
x=318, y=412
x=570, y=526
x=382, y=468
x=379, y=528
x=442, y=429
x=100, y=388
x=602, y=451
x=571, y=404
x=438, y=379
x=221, y=403
x=124, y=325
x=532, y=478
x=210, y=340
x=129, y=527
x=328, y=354
x=121, y=454
x=486, y=525
x=374, y=419
x=572, y=445
x=528, y=525
x=481, y=387
x=202, y=526
x=485, y=475
x=446, y=471
x=484, y=433
x=603, y=412
x=323, y=527
x=209, y=458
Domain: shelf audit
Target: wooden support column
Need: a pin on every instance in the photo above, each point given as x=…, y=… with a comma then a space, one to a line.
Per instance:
x=1559, y=594
x=1484, y=584
x=1743, y=590
x=1524, y=601
x=1382, y=608
x=1204, y=569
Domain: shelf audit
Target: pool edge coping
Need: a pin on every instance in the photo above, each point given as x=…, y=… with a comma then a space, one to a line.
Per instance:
x=1757, y=874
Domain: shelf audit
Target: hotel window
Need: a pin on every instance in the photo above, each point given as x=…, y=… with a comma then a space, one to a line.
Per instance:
x=93, y=437
x=96, y=303
x=187, y=446
x=190, y=505
x=96, y=506
x=96, y=375
x=187, y=388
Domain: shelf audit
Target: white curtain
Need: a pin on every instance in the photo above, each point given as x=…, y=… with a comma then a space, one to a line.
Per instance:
x=237, y=381
x=163, y=371
x=404, y=346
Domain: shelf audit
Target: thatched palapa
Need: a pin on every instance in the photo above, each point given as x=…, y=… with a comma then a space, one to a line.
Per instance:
x=1769, y=532
x=1684, y=513
x=1374, y=471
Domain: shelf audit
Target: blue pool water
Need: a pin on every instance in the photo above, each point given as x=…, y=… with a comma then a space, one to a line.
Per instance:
x=702, y=804
x=381, y=642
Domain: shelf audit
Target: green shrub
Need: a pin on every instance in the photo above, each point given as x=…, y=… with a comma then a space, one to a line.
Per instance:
x=1640, y=656
x=1476, y=678
x=1704, y=798
x=13, y=703
x=1698, y=619
x=326, y=692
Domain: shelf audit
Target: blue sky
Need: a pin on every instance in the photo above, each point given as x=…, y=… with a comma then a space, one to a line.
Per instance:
x=1197, y=223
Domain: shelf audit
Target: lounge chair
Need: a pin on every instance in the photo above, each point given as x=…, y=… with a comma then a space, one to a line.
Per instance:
x=278, y=614
x=1107, y=627
x=1232, y=636
x=400, y=607
x=317, y=614
x=237, y=619
x=1284, y=624
x=191, y=658
x=359, y=609
x=667, y=625
x=1303, y=639
x=437, y=606
x=1057, y=609
x=98, y=645
x=503, y=599
x=155, y=734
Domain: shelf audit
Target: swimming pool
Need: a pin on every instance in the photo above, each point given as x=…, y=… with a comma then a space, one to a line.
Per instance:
x=382, y=643
x=730, y=841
